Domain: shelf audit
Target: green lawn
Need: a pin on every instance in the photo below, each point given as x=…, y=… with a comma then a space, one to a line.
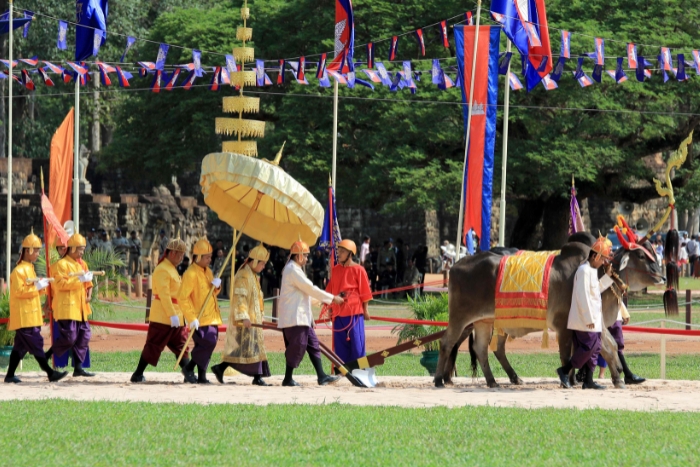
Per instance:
x=527, y=365
x=66, y=433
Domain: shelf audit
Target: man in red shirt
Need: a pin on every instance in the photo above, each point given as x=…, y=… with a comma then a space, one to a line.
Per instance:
x=349, y=280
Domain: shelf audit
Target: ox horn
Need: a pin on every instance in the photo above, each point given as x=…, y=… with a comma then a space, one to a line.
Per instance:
x=623, y=241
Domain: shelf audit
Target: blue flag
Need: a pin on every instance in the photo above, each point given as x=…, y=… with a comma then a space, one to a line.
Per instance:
x=62, y=33
x=91, y=15
x=98, y=40
x=129, y=43
x=27, y=14
x=162, y=53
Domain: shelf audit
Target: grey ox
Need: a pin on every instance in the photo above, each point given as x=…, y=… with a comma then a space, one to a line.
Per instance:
x=472, y=292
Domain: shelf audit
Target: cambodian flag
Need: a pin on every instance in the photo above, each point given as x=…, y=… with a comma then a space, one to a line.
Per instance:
x=91, y=15
x=344, y=37
x=478, y=174
x=330, y=235
x=525, y=24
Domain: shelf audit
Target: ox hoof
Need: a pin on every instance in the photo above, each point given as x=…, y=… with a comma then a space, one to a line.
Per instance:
x=619, y=384
x=494, y=385
x=517, y=381
x=439, y=383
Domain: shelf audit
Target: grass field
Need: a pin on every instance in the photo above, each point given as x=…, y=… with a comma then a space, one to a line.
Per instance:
x=115, y=434
x=683, y=366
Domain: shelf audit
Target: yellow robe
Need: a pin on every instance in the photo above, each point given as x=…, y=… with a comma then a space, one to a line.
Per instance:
x=245, y=345
x=70, y=301
x=166, y=288
x=196, y=283
x=25, y=304
x=52, y=287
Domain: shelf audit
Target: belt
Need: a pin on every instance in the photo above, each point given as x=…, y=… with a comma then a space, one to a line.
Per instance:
x=174, y=300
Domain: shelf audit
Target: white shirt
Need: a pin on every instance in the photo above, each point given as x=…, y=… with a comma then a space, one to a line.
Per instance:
x=364, y=251
x=692, y=247
x=294, y=306
x=586, y=303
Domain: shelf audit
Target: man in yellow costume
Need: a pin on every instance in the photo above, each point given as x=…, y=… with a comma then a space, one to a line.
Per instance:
x=245, y=346
x=25, y=312
x=197, y=281
x=70, y=304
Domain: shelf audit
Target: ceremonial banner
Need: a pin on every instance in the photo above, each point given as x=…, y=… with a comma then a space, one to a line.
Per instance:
x=478, y=173
x=575, y=219
x=525, y=24
x=129, y=43
x=91, y=15
x=61, y=173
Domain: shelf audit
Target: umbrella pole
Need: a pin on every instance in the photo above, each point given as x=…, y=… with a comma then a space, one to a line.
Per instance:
x=253, y=208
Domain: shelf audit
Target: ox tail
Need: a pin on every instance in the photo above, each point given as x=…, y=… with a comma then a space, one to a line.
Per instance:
x=472, y=355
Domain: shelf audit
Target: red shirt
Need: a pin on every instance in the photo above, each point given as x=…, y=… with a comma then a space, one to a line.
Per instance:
x=353, y=281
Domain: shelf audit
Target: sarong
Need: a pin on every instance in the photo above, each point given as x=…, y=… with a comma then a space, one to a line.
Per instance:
x=349, y=337
x=616, y=332
x=586, y=349
x=29, y=340
x=73, y=335
x=161, y=335
x=299, y=340
x=204, y=343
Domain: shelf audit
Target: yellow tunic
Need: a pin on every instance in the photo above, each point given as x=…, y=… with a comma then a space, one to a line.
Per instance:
x=70, y=301
x=87, y=285
x=245, y=345
x=196, y=283
x=166, y=289
x=25, y=304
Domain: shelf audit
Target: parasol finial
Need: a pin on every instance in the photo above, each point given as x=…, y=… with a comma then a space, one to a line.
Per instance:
x=278, y=157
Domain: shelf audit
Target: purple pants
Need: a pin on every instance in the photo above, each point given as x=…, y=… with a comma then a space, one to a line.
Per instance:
x=29, y=340
x=349, y=337
x=204, y=343
x=299, y=340
x=586, y=349
x=161, y=335
x=616, y=331
x=72, y=335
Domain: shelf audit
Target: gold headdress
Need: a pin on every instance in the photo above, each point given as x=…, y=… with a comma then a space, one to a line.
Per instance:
x=258, y=254
x=603, y=246
x=76, y=240
x=32, y=242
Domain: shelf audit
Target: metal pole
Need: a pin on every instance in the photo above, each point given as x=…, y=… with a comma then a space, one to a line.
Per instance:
x=460, y=224
x=504, y=168
x=663, y=351
x=8, y=240
x=335, y=129
x=76, y=153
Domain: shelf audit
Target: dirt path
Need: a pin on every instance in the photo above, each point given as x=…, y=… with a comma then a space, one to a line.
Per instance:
x=653, y=395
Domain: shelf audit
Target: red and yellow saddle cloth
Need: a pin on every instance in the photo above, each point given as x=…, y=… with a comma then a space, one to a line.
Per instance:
x=522, y=291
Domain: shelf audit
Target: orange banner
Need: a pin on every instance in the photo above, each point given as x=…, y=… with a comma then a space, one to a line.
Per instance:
x=61, y=172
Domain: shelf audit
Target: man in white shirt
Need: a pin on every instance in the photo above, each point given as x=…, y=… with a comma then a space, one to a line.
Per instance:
x=364, y=249
x=586, y=313
x=692, y=247
x=296, y=318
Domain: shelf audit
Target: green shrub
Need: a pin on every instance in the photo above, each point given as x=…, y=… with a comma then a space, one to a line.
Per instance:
x=424, y=308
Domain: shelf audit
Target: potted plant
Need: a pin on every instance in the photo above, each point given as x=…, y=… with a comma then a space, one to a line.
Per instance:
x=7, y=337
x=425, y=308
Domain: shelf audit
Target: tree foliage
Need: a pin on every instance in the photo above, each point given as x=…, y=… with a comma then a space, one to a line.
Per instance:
x=397, y=150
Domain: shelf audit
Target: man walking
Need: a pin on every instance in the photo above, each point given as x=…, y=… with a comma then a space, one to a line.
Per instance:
x=692, y=246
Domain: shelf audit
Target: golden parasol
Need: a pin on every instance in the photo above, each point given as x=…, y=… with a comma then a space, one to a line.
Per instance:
x=285, y=210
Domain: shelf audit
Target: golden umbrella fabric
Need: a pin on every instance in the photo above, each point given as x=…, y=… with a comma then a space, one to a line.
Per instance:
x=286, y=211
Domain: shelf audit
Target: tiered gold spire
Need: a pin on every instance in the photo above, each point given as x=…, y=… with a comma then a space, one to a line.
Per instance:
x=240, y=104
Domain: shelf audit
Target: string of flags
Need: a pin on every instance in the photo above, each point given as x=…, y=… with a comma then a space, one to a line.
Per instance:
x=402, y=74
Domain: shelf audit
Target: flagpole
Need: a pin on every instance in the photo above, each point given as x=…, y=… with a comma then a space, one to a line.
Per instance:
x=335, y=130
x=504, y=167
x=460, y=223
x=8, y=239
x=76, y=154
